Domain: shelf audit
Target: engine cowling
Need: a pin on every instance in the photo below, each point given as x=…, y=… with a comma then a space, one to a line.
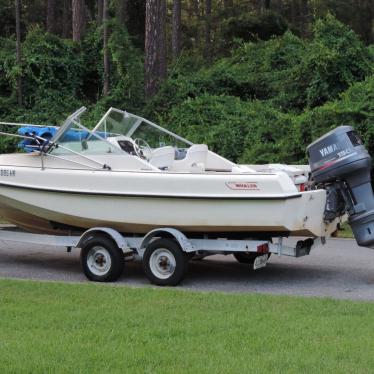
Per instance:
x=341, y=164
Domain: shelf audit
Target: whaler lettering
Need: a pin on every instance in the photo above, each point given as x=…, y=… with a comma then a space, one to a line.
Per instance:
x=242, y=185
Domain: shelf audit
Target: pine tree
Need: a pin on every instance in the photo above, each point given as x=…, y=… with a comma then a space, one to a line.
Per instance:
x=106, y=51
x=176, y=33
x=18, y=49
x=155, y=46
x=79, y=19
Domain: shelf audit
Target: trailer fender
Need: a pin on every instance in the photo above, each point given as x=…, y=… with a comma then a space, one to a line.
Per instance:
x=166, y=232
x=111, y=233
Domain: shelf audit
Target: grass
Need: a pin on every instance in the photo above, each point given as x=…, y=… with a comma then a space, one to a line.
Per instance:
x=345, y=231
x=90, y=328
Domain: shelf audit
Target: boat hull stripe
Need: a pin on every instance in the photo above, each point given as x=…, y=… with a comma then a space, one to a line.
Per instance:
x=222, y=197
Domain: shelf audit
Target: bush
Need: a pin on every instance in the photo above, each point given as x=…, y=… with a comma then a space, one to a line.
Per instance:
x=50, y=64
x=249, y=132
x=355, y=108
x=253, y=27
x=334, y=60
x=290, y=73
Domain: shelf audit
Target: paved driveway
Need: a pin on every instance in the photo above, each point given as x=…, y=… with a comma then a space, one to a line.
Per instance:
x=339, y=269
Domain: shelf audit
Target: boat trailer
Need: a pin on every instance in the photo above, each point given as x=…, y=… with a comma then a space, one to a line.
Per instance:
x=164, y=252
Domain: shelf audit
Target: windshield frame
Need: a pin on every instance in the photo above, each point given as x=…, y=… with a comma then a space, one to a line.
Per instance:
x=67, y=125
x=74, y=118
x=138, y=123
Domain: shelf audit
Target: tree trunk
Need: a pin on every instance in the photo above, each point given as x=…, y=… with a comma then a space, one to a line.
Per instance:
x=279, y=6
x=176, y=32
x=106, y=52
x=161, y=30
x=18, y=50
x=208, y=27
x=79, y=19
x=122, y=11
x=293, y=13
x=304, y=18
x=66, y=19
x=227, y=4
x=100, y=8
x=267, y=4
x=51, y=16
x=155, y=46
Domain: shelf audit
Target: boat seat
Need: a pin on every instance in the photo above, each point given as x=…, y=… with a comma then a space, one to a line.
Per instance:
x=195, y=159
x=163, y=157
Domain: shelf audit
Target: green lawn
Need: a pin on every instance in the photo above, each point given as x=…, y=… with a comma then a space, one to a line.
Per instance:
x=90, y=328
x=345, y=231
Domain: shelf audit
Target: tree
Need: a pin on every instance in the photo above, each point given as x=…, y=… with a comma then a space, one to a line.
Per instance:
x=227, y=4
x=66, y=19
x=122, y=11
x=106, y=51
x=208, y=27
x=79, y=19
x=176, y=32
x=18, y=50
x=267, y=4
x=51, y=16
x=161, y=29
x=100, y=7
x=155, y=46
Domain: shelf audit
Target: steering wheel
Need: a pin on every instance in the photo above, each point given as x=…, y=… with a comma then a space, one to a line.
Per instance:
x=142, y=149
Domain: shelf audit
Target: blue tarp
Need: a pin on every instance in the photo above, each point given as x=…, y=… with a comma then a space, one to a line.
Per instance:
x=46, y=133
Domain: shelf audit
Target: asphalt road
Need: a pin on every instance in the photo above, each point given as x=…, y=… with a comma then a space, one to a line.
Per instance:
x=340, y=269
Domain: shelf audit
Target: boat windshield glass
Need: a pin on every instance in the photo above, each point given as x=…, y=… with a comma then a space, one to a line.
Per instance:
x=117, y=125
x=73, y=137
x=116, y=132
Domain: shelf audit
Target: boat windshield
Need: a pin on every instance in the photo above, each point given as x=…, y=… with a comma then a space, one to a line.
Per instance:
x=119, y=124
x=116, y=132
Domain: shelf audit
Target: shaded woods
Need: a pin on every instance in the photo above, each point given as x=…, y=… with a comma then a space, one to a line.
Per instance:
x=256, y=80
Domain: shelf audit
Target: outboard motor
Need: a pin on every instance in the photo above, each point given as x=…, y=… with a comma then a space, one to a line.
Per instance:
x=341, y=164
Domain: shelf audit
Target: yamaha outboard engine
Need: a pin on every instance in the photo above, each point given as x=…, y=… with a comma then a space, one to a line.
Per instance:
x=340, y=164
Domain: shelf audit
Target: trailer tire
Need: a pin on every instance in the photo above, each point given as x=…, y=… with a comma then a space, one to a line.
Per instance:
x=164, y=262
x=101, y=259
x=247, y=258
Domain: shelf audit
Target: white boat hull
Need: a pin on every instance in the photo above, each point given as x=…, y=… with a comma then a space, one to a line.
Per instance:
x=46, y=200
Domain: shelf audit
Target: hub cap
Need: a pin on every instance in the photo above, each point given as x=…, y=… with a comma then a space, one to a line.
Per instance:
x=99, y=261
x=162, y=263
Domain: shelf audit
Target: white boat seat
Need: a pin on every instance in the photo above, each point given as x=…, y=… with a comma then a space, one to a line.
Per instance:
x=163, y=157
x=195, y=159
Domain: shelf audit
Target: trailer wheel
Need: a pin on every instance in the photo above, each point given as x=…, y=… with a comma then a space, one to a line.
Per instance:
x=101, y=259
x=247, y=258
x=164, y=262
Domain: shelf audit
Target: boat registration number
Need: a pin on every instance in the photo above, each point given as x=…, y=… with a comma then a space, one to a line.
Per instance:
x=7, y=173
x=260, y=261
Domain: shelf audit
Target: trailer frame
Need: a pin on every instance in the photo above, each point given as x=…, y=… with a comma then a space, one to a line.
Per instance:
x=138, y=245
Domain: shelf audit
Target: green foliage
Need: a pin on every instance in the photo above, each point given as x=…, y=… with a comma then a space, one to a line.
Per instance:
x=245, y=132
x=290, y=73
x=355, y=108
x=50, y=63
x=253, y=26
x=218, y=121
x=334, y=60
x=127, y=64
x=7, y=74
x=264, y=102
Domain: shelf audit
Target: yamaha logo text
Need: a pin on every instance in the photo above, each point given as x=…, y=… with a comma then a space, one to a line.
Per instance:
x=329, y=149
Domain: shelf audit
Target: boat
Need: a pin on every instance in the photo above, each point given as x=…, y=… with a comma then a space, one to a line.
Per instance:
x=132, y=175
